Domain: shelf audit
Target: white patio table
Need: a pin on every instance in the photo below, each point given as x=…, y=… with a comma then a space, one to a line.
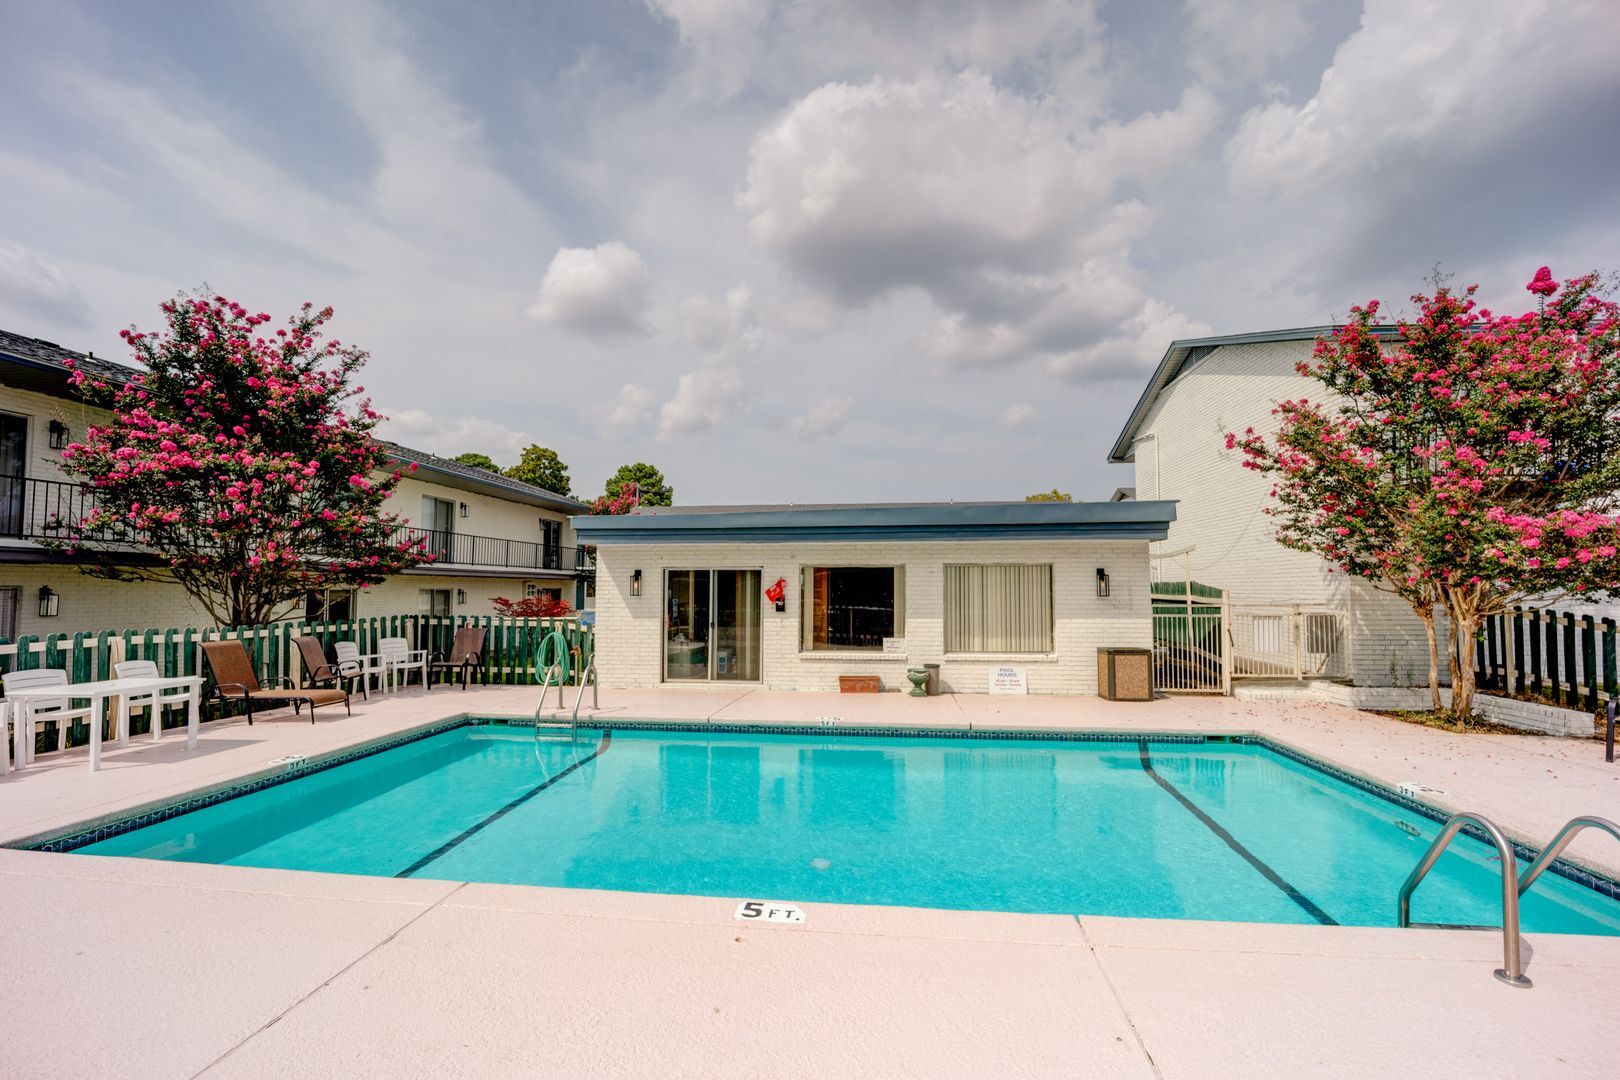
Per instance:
x=163, y=691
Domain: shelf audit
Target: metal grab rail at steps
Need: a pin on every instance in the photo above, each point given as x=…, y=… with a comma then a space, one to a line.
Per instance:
x=1572, y=828
x=1513, y=886
x=1512, y=969
x=587, y=676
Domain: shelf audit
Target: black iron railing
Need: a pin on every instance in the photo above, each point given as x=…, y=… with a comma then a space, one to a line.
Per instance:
x=35, y=509
x=465, y=549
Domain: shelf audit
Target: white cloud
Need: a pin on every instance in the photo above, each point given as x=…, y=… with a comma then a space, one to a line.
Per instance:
x=1016, y=225
x=718, y=37
x=704, y=400
x=1017, y=415
x=1432, y=138
x=599, y=291
x=448, y=436
x=1236, y=41
x=729, y=44
x=30, y=284
x=825, y=418
x=630, y=408
x=713, y=326
x=1130, y=352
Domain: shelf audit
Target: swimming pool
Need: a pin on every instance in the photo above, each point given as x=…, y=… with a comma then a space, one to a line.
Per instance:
x=1151, y=827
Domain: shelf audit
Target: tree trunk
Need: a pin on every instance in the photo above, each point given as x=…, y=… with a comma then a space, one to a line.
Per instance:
x=1427, y=615
x=1464, y=611
x=1463, y=687
x=1451, y=658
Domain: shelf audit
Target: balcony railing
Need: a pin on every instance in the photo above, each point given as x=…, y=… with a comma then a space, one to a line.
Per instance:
x=465, y=549
x=34, y=509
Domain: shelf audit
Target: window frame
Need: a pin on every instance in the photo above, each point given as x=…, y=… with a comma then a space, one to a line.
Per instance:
x=12, y=596
x=807, y=608
x=946, y=620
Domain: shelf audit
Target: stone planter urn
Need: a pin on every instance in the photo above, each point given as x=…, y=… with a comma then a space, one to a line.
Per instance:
x=918, y=677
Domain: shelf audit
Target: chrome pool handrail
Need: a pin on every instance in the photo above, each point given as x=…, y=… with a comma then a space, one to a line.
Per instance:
x=1571, y=829
x=545, y=684
x=587, y=676
x=1512, y=969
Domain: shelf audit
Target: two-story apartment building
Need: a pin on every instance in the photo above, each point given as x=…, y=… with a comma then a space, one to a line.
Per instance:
x=1287, y=606
x=493, y=536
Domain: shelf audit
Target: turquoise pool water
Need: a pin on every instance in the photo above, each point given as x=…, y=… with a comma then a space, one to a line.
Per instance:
x=1160, y=830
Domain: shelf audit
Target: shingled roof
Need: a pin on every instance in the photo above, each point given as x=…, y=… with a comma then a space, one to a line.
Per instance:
x=51, y=357
x=501, y=485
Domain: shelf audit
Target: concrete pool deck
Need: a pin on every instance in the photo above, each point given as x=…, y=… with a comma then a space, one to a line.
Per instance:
x=137, y=968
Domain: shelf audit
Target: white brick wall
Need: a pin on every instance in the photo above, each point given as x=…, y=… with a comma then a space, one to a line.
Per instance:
x=630, y=628
x=1219, y=506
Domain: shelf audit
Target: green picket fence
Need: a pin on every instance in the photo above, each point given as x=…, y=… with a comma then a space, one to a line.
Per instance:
x=1551, y=655
x=512, y=649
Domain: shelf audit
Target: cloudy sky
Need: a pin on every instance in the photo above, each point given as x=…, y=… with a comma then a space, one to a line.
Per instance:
x=794, y=250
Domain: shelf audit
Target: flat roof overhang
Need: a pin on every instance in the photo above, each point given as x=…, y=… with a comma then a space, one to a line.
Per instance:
x=965, y=521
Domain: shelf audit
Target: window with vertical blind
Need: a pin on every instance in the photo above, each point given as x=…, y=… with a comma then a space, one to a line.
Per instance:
x=998, y=608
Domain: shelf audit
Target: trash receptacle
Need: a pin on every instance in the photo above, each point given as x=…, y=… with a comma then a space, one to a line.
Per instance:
x=933, y=679
x=1125, y=674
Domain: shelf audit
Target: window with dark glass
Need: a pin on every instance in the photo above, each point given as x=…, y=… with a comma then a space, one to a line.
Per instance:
x=852, y=607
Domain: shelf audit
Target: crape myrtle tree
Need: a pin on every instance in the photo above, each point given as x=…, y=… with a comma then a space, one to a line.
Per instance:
x=242, y=458
x=1474, y=458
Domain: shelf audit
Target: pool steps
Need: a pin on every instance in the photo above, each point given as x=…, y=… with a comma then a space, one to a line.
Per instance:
x=1513, y=886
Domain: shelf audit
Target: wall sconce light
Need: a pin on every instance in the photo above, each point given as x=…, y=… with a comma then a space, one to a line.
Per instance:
x=461, y=596
x=50, y=602
x=1102, y=582
x=635, y=583
x=465, y=510
x=60, y=435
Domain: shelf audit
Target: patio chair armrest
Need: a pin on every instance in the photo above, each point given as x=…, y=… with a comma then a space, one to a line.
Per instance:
x=220, y=688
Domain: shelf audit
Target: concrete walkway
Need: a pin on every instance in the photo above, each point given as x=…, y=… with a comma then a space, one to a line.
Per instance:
x=133, y=968
x=144, y=969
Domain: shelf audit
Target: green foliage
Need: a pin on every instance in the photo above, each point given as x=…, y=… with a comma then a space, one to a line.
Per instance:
x=651, y=488
x=478, y=461
x=1050, y=496
x=542, y=467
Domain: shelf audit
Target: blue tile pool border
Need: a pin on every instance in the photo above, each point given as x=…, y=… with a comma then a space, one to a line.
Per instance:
x=71, y=841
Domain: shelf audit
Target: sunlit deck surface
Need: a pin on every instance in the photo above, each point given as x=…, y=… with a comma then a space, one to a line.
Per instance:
x=132, y=968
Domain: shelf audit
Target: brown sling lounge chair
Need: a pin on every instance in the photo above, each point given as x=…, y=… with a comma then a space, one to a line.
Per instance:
x=235, y=680
x=466, y=654
x=320, y=672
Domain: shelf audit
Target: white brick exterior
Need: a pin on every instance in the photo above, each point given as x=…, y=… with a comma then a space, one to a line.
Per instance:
x=630, y=629
x=1180, y=454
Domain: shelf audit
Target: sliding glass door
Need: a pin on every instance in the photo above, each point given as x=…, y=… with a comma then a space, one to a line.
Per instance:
x=712, y=625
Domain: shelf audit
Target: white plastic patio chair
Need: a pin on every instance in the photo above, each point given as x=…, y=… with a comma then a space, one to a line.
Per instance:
x=5, y=737
x=352, y=664
x=145, y=669
x=399, y=659
x=42, y=710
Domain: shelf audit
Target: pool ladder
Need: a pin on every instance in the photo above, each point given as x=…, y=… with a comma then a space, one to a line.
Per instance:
x=553, y=677
x=1513, y=885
